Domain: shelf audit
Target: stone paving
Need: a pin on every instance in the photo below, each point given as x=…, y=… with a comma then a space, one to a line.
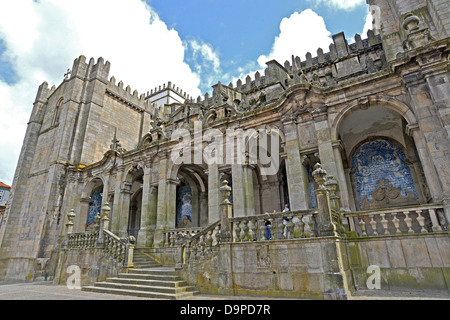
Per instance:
x=48, y=291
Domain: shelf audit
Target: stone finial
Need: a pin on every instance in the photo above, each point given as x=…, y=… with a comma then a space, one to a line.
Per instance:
x=105, y=210
x=411, y=22
x=225, y=191
x=116, y=146
x=319, y=175
x=332, y=185
x=70, y=218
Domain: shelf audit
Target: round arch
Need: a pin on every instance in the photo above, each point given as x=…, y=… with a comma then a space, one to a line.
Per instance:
x=378, y=100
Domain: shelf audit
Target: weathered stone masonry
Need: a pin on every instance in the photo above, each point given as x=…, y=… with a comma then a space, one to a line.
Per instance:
x=374, y=114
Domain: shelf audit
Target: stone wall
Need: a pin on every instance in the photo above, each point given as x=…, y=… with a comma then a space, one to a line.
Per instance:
x=406, y=262
x=317, y=268
x=94, y=265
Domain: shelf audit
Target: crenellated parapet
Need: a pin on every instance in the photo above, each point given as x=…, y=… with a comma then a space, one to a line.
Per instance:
x=131, y=99
x=326, y=70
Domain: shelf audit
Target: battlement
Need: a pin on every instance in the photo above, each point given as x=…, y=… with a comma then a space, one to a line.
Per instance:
x=366, y=52
x=90, y=70
x=164, y=88
x=132, y=99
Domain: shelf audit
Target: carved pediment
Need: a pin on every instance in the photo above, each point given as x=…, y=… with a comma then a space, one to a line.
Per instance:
x=386, y=195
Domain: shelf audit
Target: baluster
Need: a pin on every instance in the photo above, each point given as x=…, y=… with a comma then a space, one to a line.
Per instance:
x=421, y=221
x=237, y=231
x=311, y=225
x=173, y=238
x=289, y=227
x=384, y=222
x=252, y=230
x=396, y=223
x=362, y=225
x=299, y=227
x=215, y=238
x=244, y=229
x=434, y=221
x=208, y=241
x=201, y=243
x=260, y=230
x=408, y=221
x=373, y=224
x=279, y=228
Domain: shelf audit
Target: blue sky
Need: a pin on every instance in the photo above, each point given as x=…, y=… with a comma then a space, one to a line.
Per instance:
x=192, y=43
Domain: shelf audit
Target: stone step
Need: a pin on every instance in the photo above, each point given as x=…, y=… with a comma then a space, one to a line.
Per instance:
x=137, y=293
x=155, y=270
x=146, y=288
x=157, y=283
x=149, y=276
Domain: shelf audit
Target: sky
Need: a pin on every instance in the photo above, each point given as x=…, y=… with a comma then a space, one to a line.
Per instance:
x=192, y=43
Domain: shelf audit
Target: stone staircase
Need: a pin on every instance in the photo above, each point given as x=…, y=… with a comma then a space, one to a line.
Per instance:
x=148, y=279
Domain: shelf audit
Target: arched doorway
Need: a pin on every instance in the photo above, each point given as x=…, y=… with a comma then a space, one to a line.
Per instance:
x=191, y=197
x=134, y=220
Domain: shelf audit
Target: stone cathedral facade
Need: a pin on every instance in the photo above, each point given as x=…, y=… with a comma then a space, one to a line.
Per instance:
x=375, y=114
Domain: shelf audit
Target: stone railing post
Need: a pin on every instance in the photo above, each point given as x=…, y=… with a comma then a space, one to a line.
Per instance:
x=69, y=226
x=326, y=226
x=131, y=241
x=225, y=213
x=104, y=222
x=335, y=207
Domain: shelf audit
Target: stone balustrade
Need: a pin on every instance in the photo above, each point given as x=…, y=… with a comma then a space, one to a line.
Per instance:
x=406, y=220
x=300, y=224
x=114, y=247
x=120, y=249
x=172, y=237
x=82, y=240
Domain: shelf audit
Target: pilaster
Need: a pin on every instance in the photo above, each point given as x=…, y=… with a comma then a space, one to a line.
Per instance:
x=295, y=171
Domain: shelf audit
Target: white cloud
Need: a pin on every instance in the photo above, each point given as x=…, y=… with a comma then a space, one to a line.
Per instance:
x=43, y=38
x=341, y=4
x=205, y=60
x=367, y=25
x=300, y=33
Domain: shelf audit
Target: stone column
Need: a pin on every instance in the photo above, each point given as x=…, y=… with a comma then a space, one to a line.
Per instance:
x=144, y=231
x=237, y=173
x=247, y=171
x=117, y=205
x=325, y=225
x=243, y=202
x=171, y=213
x=125, y=195
x=295, y=171
x=161, y=203
x=213, y=193
x=330, y=156
x=429, y=96
x=226, y=212
x=204, y=219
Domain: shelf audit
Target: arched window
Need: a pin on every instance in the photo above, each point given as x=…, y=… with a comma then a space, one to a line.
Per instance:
x=56, y=114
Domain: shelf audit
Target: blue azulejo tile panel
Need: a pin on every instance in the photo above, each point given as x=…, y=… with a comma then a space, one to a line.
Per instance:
x=377, y=160
x=95, y=206
x=184, y=202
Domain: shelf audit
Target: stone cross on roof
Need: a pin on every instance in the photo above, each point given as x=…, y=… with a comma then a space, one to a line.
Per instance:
x=66, y=75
